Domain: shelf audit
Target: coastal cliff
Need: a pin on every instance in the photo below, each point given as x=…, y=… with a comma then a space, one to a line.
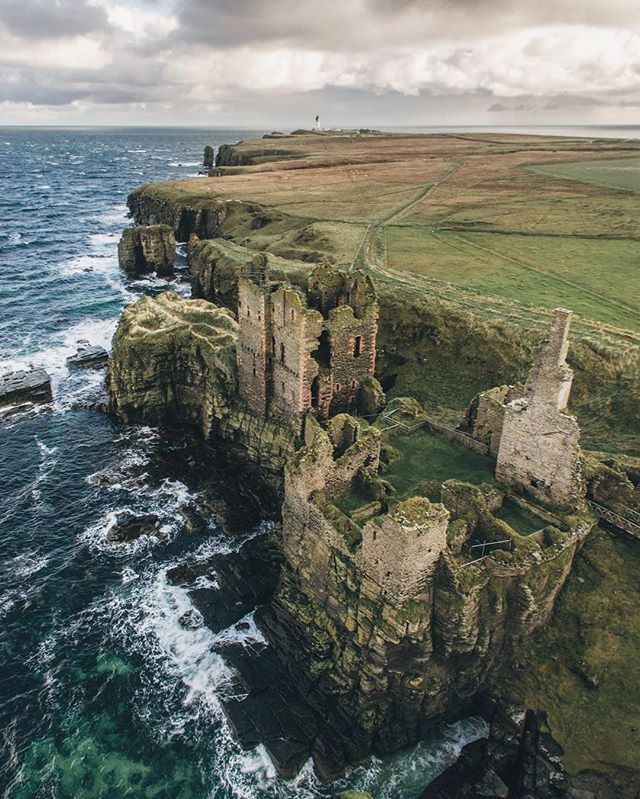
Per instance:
x=173, y=363
x=184, y=217
x=391, y=616
x=411, y=573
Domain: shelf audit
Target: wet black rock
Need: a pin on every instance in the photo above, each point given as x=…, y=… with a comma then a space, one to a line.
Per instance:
x=22, y=386
x=128, y=527
x=90, y=355
x=191, y=620
x=520, y=759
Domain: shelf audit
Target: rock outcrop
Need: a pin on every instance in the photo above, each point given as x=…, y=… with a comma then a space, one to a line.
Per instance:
x=173, y=362
x=144, y=249
x=148, y=207
x=22, y=386
x=207, y=159
x=214, y=271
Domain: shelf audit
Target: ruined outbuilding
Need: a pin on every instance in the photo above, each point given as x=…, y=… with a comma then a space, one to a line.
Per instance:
x=528, y=430
x=316, y=352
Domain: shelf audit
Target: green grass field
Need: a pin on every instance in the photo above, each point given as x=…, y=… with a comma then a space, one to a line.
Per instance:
x=427, y=456
x=596, y=622
x=597, y=278
x=618, y=173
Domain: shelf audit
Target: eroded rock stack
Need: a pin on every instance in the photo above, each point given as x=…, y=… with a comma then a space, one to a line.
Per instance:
x=145, y=249
x=207, y=159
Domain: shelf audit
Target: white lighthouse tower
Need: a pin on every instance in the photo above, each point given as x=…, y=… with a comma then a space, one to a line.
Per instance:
x=317, y=125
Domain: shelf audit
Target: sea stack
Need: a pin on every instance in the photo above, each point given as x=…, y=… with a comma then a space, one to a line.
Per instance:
x=147, y=248
x=208, y=156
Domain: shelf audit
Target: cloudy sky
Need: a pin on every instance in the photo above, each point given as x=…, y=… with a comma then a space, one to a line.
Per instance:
x=276, y=63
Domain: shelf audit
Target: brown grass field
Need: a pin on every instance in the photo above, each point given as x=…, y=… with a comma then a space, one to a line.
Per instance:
x=475, y=236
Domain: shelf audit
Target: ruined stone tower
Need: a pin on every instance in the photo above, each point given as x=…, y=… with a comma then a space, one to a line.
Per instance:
x=296, y=354
x=539, y=450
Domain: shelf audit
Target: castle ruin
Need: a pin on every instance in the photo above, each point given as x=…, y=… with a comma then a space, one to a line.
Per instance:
x=535, y=441
x=315, y=353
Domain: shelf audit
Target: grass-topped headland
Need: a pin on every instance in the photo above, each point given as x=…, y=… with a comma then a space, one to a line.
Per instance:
x=472, y=239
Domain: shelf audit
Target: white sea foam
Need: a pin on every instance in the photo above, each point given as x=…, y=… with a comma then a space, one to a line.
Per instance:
x=47, y=464
x=116, y=215
x=68, y=385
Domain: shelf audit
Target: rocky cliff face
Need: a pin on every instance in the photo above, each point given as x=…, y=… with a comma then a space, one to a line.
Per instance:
x=214, y=271
x=388, y=660
x=148, y=248
x=150, y=208
x=173, y=362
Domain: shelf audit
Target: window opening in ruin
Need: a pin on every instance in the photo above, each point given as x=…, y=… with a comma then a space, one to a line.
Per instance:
x=315, y=392
x=342, y=298
x=338, y=386
x=293, y=315
x=248, y=311
x=282, y=353
x=273, y=345
x=323, y=353
x=357, y=347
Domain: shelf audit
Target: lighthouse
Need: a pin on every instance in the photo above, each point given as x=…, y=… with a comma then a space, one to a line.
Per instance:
x=317, y=125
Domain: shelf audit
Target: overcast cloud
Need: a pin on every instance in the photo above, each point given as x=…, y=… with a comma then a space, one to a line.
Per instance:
x=278, y=63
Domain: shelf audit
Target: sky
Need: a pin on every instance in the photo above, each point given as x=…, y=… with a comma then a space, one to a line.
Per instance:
x=278, y=63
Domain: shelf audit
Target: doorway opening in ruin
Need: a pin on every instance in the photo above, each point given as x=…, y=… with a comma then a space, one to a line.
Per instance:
x=357, y=347
x=323, y=353
x=315, y=392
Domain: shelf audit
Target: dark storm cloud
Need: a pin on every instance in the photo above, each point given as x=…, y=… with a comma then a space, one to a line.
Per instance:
x=46, y=19
x=366, y=24
x=415, y=57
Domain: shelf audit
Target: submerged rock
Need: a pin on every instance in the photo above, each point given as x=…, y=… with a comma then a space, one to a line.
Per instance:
x=129, y=527
x=23, y=386
x=147, y=248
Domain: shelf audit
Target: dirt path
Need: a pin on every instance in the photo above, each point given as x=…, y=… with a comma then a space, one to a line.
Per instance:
x=368, y=245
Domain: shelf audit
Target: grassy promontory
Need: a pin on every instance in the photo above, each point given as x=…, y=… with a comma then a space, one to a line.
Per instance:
x=471, y=238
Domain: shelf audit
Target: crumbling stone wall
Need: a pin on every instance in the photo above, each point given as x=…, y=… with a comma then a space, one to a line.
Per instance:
x=388, y=622
x=254, y=346
x=294, y=334
x=485, y=417
x=309, y=353
x=539, y=448
x=400, y=550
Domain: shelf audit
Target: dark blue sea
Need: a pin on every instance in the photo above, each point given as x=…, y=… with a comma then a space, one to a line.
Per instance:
x=103, y=694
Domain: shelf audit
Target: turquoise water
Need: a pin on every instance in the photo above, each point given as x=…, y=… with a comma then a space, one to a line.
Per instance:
x=102, y=692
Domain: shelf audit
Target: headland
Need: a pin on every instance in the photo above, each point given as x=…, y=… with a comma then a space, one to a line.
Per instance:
x=374, y=338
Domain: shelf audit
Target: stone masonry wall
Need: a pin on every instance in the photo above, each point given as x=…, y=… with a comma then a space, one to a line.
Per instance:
x=400, y=551
x=254, y=345
x=485, y=416
x=539, y=448
x=292, y=359
x=353, y=355
x=295, y=333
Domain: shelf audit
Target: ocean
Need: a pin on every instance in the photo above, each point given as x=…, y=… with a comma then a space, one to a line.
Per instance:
x=102, y=692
